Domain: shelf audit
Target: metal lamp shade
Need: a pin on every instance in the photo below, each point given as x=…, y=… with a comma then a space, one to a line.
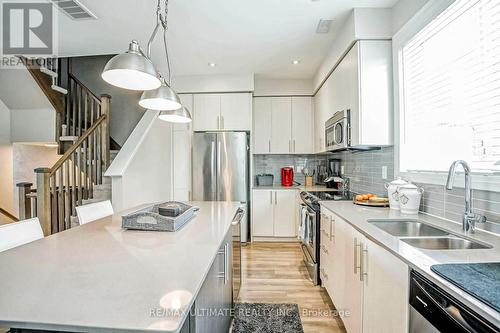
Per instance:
x=181, y=115
x=131, y=70
x=163, y=98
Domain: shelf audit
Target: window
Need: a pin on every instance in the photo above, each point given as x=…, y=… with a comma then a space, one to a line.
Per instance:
x=449, y=90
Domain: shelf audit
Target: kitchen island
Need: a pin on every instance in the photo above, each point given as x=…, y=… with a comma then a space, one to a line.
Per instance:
x=101, y=278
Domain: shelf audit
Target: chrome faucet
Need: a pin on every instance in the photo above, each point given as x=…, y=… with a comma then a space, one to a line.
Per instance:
x=469, y=218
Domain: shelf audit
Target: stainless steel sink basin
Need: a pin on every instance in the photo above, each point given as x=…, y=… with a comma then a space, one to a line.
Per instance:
x=407, y=228
x=444, y=243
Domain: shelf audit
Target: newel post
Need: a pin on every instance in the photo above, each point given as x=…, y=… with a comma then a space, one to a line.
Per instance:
x=24, y=203
x=105, y=130
x=43, y=199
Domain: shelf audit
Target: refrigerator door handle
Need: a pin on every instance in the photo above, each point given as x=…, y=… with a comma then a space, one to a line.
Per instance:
x=213, y=166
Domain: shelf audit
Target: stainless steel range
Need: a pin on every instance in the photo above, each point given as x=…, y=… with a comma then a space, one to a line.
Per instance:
x=309, y=230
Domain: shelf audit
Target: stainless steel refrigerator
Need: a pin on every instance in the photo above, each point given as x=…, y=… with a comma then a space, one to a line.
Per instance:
x=220, y=169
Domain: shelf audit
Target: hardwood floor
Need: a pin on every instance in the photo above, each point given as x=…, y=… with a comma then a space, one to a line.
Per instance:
x=275, y=273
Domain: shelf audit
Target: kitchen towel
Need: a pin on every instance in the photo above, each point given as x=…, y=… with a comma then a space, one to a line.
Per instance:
x=481, y=280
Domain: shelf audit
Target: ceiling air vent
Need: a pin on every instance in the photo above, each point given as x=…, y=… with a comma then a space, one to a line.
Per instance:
x=323, y=26
x=74, y=9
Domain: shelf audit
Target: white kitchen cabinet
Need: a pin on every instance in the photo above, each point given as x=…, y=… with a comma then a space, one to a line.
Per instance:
x=231, y=111
x=181, y=151
x=386, y=283
x=283, y=125
x=262, y=126
x=273, y=213
x=302, y=125
x=353, y=299
x=363, y=278
x=182, y=165
x=236, y=112
x=206, y=112
x=284, y=214
x=262, y=213
x=361, y=83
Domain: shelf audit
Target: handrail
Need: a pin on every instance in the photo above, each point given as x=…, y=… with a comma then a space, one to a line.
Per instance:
x=77, y=144
x=84, y=87
x=9, y=215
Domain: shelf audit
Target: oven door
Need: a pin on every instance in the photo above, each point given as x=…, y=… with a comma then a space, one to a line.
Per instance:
x=309, y=244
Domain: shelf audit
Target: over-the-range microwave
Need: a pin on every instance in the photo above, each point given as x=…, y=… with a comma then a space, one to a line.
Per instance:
x=338, y=131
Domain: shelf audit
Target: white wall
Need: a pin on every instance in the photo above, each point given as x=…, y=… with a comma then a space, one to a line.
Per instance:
x=279, y=87
x=141, y=170
x=6, y=190
x=213, y=83
x=26, y=158
x=33, y=125
x=403, y=11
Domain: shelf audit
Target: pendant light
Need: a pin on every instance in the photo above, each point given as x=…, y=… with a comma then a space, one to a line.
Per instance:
x=181, y=115
x=131, y=70
x=163, y=98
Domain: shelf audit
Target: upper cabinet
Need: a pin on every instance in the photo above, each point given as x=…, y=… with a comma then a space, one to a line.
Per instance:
x=361, y=83
x=283, y=125
x=231, y=111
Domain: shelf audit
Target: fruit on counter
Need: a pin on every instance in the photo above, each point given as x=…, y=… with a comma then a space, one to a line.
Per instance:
x=364, y=197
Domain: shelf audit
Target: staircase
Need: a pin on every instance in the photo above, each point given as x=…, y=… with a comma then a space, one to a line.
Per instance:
x=82, y=134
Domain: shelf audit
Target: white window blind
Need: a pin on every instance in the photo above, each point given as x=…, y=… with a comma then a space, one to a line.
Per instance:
x=451, y=90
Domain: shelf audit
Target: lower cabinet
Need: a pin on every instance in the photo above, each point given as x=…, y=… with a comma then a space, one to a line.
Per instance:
x=215, y=299
x=273, y=213
x=362, y=278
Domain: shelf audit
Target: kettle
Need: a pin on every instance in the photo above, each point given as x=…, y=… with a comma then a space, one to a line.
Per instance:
x=392, y=192
x=287, y=176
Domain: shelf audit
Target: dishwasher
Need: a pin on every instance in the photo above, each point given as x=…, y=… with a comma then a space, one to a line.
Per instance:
x=432, y=310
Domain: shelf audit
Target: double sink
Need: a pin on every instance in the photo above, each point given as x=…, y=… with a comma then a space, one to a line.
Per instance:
x=419, y=234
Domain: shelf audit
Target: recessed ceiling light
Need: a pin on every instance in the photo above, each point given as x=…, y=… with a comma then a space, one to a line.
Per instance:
x=211, y=64
x=296, y=62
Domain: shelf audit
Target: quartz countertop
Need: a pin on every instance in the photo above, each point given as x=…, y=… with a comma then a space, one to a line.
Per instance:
x=295, y=187
x=98, y=277
x=421, y=259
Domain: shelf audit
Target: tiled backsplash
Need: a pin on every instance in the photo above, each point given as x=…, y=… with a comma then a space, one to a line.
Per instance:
x=364, y=169
x=272, y=164
x=365, y=172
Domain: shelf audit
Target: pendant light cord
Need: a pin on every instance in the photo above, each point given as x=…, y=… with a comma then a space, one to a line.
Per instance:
x=161, y=20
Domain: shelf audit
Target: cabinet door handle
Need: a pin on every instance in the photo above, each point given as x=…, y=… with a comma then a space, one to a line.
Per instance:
x=269, y=145
x=225, y=273
x=356, y=245
x=275, y=198
x=271, y=194
x=222, y=122
x=218, y=122
x=363, y=258
x=294, y=145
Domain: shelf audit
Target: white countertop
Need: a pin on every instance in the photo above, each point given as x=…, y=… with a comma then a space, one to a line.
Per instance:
x=421, y=259
x=295, y=187
x=101, y=278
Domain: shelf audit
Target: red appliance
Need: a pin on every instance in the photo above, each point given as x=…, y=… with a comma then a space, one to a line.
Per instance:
x=287, y=176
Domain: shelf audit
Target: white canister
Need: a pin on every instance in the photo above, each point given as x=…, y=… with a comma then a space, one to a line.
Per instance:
x=409, y=198
x=392, y=192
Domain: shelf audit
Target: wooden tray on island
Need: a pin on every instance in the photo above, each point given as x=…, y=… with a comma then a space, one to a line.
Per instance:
x=370, y=203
